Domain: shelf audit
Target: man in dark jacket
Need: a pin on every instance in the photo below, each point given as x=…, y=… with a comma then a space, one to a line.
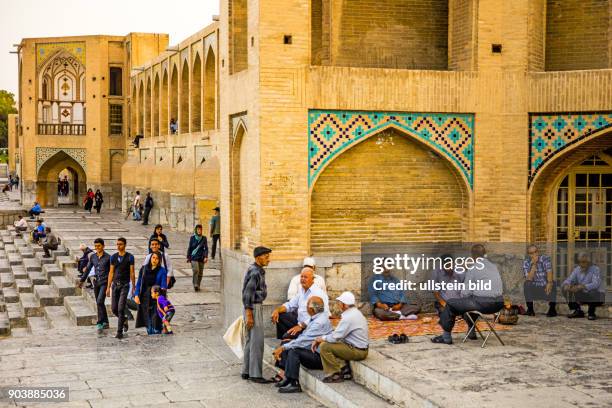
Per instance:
x=100, y=261
x=147, y=210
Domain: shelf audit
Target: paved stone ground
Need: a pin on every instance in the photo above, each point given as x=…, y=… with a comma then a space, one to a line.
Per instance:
x=192, y=368
x=547, y=362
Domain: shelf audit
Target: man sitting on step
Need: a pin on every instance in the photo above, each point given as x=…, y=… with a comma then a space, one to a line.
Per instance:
x=21, y=225
x=51, y=242
x=290, y=355
x=39, y=231
x=35, y=211
x=389, y=303
x=584, y=286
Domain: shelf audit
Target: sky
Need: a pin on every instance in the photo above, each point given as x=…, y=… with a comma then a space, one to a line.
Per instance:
x=47, y=18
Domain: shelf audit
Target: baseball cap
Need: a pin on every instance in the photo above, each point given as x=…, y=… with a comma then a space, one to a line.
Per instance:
x=309, y=261
x=347, y=298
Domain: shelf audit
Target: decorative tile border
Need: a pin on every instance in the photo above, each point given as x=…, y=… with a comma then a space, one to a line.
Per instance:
x=331, y=132
x=45, y=153
x=45, y=50
x=551, y=133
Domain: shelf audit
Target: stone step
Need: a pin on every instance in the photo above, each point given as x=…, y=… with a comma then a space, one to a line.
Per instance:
x=19, y=242
x=16, y=315
x=48, y=295
x=9, y=248
x=37, y=324
x=32, y=265
x=3, y=254
x=37, y=278
x=57, y=316
x=42, y=259
x=72, y=275
x=19, y=272
x=79, y=311
x=7, y=279
x=23, y=285
x=63, y=286
x=5, y=324
x=89, y=298
x=30, y=305
x=4, y=266
x=346, y=394
x=10, y=295
x=8, y=240
x=2, y=303
x=25, y=252
x=50, y=270
x=14, y=259
x=65, y=262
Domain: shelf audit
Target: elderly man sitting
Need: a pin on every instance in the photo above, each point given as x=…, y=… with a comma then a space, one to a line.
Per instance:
x=292, y=317
x=477, y=299
x=349, y=342
x=584, y=286
x=446, y=275
x=539, y=282
x=294, y=284
x=290, y=355
x=387, y=302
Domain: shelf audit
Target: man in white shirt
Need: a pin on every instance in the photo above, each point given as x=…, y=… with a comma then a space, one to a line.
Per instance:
x=21, y=224
x=136, y=207
x=292, y=317
x=294, y=285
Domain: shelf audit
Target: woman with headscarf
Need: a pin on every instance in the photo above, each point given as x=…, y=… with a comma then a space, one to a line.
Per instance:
x=89, y=199
x=99, y=199
x=197, y=255
x=158, y=235
x=151, y=274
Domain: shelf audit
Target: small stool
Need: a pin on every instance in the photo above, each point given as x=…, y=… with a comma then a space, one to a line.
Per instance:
x=491, y=322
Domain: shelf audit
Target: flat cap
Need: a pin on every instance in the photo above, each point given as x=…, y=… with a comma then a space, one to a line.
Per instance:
x=260, y=250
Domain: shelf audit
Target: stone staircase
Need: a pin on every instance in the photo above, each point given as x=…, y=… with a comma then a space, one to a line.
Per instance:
x=37, y=293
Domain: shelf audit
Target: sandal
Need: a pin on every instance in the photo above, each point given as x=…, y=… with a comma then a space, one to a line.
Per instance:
x=403, y=338
x=334, y=378
x=276, y=379
x=394, y=339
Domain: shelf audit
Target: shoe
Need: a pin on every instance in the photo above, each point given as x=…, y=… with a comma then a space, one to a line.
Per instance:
x=244, y=376
x=530, y=313
x=290, y=389
x=403, y=338
x=119, y=335
x=125, y=326
x=170, y=332
x=576, y=314
x=346, y=372
x=440, y=340
x=260, y=380
x=394, y=339
x=105, y=326
x=46, y=256
x=283, y=383
x=551, y=313
x=196, y=288
x=334, y=378
x=99, y=328
x=592, y=317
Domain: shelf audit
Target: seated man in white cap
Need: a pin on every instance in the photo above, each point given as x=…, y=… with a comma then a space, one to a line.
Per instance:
x=349, y=342
x=294, y=285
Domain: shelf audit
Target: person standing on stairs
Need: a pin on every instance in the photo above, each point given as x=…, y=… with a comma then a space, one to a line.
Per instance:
x=120, y=275
x=100, y=261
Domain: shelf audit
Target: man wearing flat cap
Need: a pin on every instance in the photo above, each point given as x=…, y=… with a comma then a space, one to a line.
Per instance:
x=254, y=292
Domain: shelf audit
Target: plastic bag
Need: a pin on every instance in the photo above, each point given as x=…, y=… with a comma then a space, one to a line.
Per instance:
x=234, y=335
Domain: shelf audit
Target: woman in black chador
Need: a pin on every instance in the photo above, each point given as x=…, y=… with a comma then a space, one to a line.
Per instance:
x=150, y=275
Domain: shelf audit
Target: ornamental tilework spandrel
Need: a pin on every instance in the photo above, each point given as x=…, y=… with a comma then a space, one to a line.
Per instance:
x=550, y=133
x=331, y=132
x=45, y=153
x=46, y=50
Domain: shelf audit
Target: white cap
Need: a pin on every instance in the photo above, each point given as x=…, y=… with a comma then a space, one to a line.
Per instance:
x=347, y=298
x=309, y=261
x=82, y=247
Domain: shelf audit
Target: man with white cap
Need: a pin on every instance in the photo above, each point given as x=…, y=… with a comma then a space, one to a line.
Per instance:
x=349, y=342
x=294, y=285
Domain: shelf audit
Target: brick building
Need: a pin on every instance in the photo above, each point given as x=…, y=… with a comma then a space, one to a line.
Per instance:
x=321, y=124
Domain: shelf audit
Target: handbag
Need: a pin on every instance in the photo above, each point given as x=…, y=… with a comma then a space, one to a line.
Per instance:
x=172, y=282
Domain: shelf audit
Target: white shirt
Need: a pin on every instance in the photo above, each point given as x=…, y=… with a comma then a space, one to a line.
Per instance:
x=294, y=285
x=166, y=263
x=352, y=329
x=299, y=302
x=136, y=200
x=21, y=223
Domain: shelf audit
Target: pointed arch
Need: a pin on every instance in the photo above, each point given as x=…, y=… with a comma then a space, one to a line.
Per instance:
x=48, y=173
x=147, y=108
x=134, y=110
x=210, y=91
x=184, y=99
x=163, y=104
x=174, y=94
x=196, y=95
x=141, y=114
x=155, y=101
x=239, y=192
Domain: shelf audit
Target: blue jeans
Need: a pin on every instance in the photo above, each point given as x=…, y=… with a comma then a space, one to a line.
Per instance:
x=136, y=215
x=150, y=318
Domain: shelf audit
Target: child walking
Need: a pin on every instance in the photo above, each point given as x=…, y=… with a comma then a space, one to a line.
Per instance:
x=165, y=309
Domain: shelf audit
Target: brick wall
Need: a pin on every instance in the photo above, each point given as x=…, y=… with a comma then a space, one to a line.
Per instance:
x=238, y=35
x=409, y=34
x=386, y=189
x=577, y=34
x=536, y=28
x=462, y=46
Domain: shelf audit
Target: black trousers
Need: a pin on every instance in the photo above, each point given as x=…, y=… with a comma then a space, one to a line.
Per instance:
x=291, y=359
x=460, y=306
x=120, y=292
x=285, y=322
x=591, y=298
x=145, y=217
x=47, y=247
x=215, y=240
x=100, y=294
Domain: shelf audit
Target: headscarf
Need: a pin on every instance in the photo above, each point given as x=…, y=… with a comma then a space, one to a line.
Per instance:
x=198, y=238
